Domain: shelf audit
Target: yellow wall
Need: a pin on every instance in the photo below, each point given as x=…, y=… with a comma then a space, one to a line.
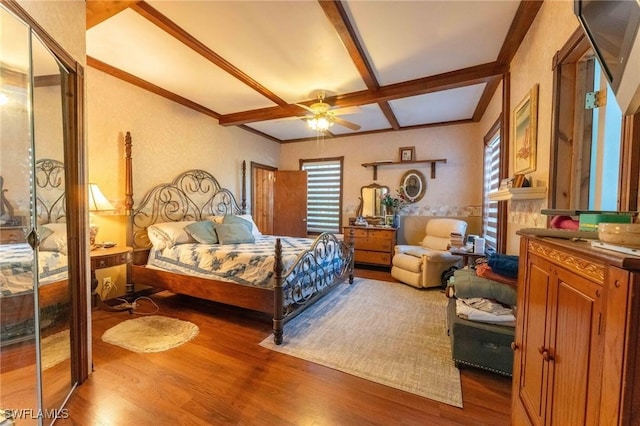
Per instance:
x=456, y=190
x=167, y=139
x=532, y=65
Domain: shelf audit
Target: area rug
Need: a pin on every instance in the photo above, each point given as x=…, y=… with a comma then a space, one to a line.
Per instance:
x=55, y=349
x=388, y=333
x=154, y=333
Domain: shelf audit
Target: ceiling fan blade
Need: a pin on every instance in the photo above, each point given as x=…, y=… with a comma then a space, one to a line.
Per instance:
x=305, y=107
x=346, y=110
x=345, y=123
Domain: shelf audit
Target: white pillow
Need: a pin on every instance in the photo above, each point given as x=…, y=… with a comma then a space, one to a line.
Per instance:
x=55, y=237
x=254, y=228
x=168, y=234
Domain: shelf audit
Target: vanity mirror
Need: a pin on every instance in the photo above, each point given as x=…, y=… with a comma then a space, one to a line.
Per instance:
x=370, y=201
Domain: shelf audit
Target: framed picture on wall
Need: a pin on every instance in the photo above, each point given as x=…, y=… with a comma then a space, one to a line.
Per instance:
x=408, y=153
x=525, y=133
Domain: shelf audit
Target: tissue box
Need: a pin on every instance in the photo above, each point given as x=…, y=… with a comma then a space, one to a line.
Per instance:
x=590, y=221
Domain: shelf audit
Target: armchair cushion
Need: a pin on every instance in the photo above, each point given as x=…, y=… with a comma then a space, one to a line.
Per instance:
x=422, y=266
x=438, y=232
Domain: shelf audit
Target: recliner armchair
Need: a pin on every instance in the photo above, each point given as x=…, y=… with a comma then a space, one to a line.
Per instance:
x=422, y=266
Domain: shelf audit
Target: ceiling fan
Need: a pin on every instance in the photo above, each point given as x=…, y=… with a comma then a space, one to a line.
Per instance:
x=324, y=116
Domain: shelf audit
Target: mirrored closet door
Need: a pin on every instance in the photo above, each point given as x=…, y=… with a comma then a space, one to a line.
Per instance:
x=38, y=340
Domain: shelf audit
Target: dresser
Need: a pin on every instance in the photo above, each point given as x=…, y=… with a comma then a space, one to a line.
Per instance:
x=576, y=359
x=373, y=246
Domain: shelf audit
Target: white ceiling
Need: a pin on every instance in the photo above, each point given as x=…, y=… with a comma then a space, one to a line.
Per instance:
x=247, y=63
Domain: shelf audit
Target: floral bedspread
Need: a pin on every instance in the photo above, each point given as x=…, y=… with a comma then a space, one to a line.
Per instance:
x=246, y=264
x=16, y=268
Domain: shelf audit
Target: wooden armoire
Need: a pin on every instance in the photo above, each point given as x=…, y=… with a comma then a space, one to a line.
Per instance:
x=578, y=327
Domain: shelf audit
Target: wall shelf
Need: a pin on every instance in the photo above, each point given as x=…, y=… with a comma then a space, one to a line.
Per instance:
x=515, y=194
x=377, y=164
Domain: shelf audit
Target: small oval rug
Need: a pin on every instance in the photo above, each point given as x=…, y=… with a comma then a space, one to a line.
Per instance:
x=150, y=334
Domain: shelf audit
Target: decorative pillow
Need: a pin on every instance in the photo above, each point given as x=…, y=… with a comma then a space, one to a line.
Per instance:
x=203, y=232
x=53, y=237
x=168, y=234
x=234, y=233
x=254, y=228
x=237, y=220
x=233, y=219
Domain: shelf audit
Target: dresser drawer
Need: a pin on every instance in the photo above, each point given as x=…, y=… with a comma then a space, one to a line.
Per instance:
x=373, y=257
x=375, y=244
x=111, y=260
x=12, y=236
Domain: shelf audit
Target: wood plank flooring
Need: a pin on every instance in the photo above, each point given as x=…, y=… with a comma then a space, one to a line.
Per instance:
x=224, y=377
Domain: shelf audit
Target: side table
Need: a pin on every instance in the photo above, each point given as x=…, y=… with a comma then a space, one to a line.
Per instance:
x=108, y=257
x=468, y=258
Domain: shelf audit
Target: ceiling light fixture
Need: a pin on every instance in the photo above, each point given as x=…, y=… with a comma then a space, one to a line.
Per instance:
x=321, y=121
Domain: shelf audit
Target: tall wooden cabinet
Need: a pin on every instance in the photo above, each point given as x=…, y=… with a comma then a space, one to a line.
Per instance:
x=576, y=356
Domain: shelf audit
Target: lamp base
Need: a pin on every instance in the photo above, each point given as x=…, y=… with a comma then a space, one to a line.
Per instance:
x=93, y=232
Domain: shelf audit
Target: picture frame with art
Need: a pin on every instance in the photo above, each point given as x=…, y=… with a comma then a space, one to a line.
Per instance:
x=407, y=153
x=388, y=220
x=525, y=133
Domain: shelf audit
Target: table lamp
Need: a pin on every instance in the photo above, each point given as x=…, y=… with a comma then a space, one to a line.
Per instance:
x=97, y=203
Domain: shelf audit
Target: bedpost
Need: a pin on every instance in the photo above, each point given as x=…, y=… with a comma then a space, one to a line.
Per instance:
x=128, y=191
x=278, y=296
x=352, y=242
x=244, y=187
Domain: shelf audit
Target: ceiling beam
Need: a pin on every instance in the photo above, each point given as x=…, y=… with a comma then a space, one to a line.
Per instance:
x=520, y=25
x=143, y=84
x=334, y=10
x=101, y=10
x=338, y=18
x=171, y=28
x=451, y=80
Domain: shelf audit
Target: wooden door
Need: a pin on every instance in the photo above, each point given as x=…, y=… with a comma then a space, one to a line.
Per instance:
x=531, y=388
x=290, y=203
x=262, y=197
x=575, y=366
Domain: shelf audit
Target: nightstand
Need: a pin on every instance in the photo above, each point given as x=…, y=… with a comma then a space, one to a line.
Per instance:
x=108, y=257
x=12, y=234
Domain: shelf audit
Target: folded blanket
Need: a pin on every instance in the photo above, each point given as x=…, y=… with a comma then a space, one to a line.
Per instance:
x=485, y=271
x=484, y=310
x=504, y=264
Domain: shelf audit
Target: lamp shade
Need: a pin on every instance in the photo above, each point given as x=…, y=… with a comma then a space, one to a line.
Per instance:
x=97, y=201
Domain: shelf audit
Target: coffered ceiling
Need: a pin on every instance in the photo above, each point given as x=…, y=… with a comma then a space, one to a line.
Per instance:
x=383, y=65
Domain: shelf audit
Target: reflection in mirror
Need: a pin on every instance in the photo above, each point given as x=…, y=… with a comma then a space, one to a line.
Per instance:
x=17, y=299
x=35, y=365
x=370, y=200
x=413, y=185
x=54, y=299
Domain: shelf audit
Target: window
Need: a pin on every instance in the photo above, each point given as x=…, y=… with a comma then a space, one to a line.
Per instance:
x=324, y=194
x=490, y=216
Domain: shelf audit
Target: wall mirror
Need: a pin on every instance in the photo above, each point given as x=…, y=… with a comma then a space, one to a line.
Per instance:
x=41, y=337
x=413, y=185
x=371, y=200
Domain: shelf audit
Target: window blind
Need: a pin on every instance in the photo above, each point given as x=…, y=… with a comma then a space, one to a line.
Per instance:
x=491, y=184
x=324, y=195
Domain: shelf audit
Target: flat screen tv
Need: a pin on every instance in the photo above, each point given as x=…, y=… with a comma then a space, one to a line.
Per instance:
x=612, y=27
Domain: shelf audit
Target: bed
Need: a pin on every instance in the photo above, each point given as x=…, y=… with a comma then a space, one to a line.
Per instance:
x=16, y=260
x=279, y=276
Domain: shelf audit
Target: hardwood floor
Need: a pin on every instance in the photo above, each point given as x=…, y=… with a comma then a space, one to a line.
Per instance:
x=225, y=377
